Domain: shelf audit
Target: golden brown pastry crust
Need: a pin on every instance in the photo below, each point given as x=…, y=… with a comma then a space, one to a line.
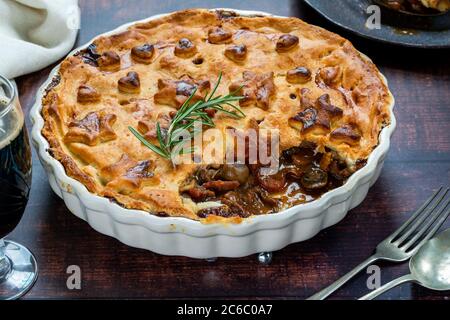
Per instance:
x=101, y=152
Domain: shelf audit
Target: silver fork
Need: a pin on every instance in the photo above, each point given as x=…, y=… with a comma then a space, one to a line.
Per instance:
x=406, y=241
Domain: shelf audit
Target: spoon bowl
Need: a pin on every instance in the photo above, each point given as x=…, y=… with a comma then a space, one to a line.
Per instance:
x=430, y=266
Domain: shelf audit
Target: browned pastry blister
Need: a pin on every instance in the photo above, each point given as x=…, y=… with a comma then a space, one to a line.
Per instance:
x=219, y=35
x=87, y=94
x=143, y=53
x=328, y=76
x=237, y=53
x=109, y=61
x=185, y=48
x=298, y=75
x=327, y=102
x=286, y=42
x=130, y=83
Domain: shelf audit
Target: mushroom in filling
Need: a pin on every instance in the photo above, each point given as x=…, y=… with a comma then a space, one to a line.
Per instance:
x=243, y=190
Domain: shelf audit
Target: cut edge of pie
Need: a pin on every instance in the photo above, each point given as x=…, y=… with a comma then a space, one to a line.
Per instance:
x=328, y=101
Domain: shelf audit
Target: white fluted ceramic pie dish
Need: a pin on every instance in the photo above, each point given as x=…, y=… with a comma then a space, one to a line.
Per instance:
x=185, y=237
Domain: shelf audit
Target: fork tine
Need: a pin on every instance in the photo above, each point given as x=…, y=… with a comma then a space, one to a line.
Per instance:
x=414, y=216
x=441, y=216
x=418, y=223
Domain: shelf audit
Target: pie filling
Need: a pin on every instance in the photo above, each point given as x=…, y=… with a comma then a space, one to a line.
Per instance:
x=243, y=190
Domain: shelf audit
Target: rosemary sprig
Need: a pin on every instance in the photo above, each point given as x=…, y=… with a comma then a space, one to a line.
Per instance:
x=171, y=141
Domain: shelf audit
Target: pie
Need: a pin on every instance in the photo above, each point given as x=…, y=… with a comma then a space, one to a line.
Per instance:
x=328, y=102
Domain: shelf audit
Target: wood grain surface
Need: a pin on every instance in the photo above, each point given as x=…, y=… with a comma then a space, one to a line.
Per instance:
x=418, y=163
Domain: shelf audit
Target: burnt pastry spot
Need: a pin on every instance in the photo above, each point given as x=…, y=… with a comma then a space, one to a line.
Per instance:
x=109, y=61
x=299, y=75
x=317, y=118
x=175, y=92
x=127, y=175
x=143, y=53
x=286, y=42
x=90, y=55
x=346, y=134
x=255, y=88
x=130, y=83
x=87, y=94
x=185, y=48
x=310, y=119
x=218, y=35
x=94, y=128
x=307, y=117
x=140, y=171
x=55, y=81
x=236, y=53
x=324, y=103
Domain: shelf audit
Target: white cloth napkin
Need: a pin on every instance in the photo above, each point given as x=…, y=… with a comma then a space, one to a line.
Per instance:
x=35, y=33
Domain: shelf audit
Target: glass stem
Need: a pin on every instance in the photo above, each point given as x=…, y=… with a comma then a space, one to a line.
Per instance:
x=5, y=265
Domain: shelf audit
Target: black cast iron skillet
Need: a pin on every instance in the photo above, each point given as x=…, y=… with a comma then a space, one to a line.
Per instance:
x=408, y=29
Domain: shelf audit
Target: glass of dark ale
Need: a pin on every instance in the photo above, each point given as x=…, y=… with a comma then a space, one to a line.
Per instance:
x=18, y=268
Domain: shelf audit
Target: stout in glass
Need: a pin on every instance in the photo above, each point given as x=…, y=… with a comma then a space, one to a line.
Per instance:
x=18, y=269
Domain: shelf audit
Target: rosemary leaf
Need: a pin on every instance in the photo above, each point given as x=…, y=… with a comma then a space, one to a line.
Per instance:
x=149, y=145
x=188, y=115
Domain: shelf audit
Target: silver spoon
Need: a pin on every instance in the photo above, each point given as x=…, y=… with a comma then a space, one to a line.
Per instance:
x=430, y=267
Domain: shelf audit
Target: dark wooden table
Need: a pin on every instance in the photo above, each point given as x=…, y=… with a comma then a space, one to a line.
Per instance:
x=418, y=162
